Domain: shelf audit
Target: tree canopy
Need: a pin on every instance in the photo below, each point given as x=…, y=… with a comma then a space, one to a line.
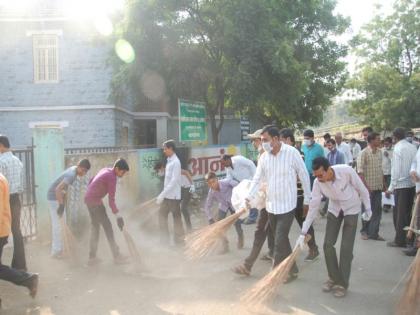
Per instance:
x=276, y=60
x=388, y=80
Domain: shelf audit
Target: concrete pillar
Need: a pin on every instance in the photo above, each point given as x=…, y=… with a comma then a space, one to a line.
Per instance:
x=162, y=131
x=48, y=164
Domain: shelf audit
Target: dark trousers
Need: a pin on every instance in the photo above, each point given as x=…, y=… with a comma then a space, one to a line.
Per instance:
x=19, y=260
x=167, y=206
x=300, y=219
x=280, y=225
x=339, y=272
x=99, y=217
x=371, y=227
x=262, y=232
x=11, y=274
x=238, y=223
x=185, y=201
x=404, y=198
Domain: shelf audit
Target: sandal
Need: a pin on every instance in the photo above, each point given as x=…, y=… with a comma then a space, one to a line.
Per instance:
x=291, y=277
x=339, y=291
x=241, y=270
x=328, y=285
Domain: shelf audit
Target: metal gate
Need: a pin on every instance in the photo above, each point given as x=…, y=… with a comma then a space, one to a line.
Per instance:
x=28, y=216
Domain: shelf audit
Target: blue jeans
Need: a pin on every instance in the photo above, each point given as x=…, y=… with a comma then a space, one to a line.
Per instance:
x=253, y=215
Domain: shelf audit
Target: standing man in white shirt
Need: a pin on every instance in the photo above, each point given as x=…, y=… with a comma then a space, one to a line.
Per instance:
x=355, y=149
x=344, y=188
x=344, y=148
x=239, y=168
x=415, y=176
x=170, y=198
x=12, y=168
x=279, y=167
x=401, y=185
x=387, y=153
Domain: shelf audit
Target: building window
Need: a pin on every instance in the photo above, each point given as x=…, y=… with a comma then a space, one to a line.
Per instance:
x=45, y=51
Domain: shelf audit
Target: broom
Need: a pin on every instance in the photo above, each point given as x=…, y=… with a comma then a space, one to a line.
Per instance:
x=409, y=303
x=69, y=241
x=132, y=248
x=202, y=242
x=413, y=217
x=264, y=289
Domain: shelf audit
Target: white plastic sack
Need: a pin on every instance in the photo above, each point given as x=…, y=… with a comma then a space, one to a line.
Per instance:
x=240, y=193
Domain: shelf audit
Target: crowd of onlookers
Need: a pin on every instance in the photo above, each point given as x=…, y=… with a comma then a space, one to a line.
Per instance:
x=387, y=166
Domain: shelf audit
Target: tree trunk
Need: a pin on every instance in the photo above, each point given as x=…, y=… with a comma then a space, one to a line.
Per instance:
x=218, y=110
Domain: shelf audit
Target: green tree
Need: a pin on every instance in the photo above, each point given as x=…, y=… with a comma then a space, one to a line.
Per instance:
x=275, y=60
x=388, y=81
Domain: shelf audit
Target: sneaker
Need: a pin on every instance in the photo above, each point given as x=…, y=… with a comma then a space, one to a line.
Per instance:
x=393, y=244
x=121, y=260
x=94, y=262
x=313, y=254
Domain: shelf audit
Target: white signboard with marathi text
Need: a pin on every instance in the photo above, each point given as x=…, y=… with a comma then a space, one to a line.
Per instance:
x=207, y=159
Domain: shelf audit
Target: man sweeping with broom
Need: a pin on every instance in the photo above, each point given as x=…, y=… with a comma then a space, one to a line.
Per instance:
x=56, y=199
x=279, y=167
x=221, y=191
x=105, y=183
x=345, y=190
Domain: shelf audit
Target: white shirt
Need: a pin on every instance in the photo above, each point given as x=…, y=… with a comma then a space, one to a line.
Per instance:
x=280, y=173
x=387, y=161
x=12, y=168
x=355, y=151
x=172, y=183
x=185, y=182
x=345, y=149
x=344, y=193
x=243, y=168
x=404, y=154
x=415, y=166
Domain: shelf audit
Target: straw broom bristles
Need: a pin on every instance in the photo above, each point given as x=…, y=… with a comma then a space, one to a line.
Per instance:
x=409, y=303
x=202, y=242
x=132, y=248
x=264, y=289
x=68, y=239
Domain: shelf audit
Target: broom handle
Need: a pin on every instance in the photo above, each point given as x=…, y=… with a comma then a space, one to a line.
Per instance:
x=146, y=203
x=413, y=217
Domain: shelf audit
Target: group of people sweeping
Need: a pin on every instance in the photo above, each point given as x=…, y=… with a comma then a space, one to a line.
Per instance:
x=294, y=183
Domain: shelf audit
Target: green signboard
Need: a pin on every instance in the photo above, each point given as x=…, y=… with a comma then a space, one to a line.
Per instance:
x=192, y=121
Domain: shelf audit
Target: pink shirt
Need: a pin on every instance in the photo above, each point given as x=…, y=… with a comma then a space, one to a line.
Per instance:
x=105, y=182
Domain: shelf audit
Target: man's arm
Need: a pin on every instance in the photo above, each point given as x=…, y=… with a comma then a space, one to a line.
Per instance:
x=395, y=170
x=112, y=187
x=59, y=194
x=187, y=174
x=349, y=155
x=259, y=173
x=176, y=175
x=303, y=175
x=360, y=168
x=313, y=207
x=357, y=183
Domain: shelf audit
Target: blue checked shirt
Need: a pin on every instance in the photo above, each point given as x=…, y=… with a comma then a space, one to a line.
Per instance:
x=12, y=168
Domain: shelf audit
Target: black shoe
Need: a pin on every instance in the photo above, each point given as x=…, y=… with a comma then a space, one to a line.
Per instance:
x=411, y=251
x=313, y=254
x=32, y=284
x=393, y=244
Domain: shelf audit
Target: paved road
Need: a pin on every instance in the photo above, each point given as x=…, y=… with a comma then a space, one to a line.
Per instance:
x=173, y=285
